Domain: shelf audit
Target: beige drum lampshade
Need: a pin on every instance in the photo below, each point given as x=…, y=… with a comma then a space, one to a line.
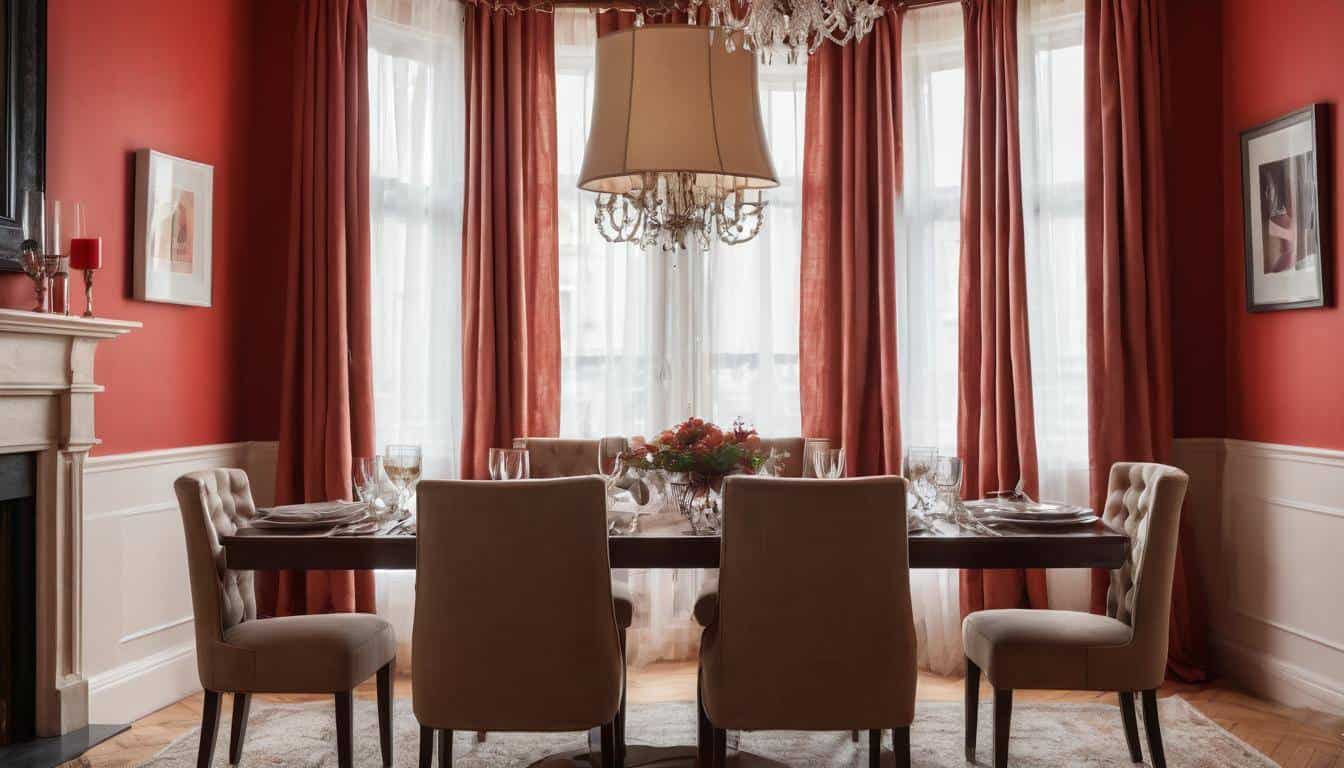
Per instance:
x=672, y=98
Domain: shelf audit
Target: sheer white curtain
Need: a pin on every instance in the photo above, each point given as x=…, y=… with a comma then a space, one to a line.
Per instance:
x=933, y=97
x=416, y=172
x=1050, y=56
x=650, y=339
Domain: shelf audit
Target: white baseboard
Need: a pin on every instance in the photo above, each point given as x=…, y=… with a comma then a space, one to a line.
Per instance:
x=1276, y=679
x=131, y=691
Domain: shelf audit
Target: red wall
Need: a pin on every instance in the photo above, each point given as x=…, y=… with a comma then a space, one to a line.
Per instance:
x=1285, y=373
x=174, y=76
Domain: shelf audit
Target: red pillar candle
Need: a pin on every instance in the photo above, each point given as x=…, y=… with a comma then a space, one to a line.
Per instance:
x=86, y=252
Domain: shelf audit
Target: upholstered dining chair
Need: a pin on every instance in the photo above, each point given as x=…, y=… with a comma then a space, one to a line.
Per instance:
x=527, y=561
x=1124, y=651
x=564, y=457
x=240, y=654
x=798, y=462
x=830, y=651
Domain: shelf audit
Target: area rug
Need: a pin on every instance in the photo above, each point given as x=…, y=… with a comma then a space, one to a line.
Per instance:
x=1055, y=735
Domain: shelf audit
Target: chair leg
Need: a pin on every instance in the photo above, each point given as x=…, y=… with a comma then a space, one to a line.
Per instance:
x=242, y=702
x=620, y=713
x=445, y=739
x=209, y=729
x=480, y=737
x=426, y=747
x=609, y=745
x=720, y=748
x=704, y=731
x=1154, y=730
x=874, y=747
x=1003, y=717
x=854, y=736
x=345, y=721
x=900, y=746
x=385, y=712
x=972, y=707
x=1131, y=723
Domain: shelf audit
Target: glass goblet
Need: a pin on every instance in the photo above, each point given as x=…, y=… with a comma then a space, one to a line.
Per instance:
x=402, y=464
x=829, y=463
x=919, y=464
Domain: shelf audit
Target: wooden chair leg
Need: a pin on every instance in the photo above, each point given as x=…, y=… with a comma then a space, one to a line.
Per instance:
x=704, y=731
x=480, y=737
x=1003, y=717
x=1153, y=729
x=426, y=747
x=445, y=739
x=209, y=729
x=385, y=712
x=345, y=721
x=900, y=746
x=609, y=745
x=874, y=748
x=620, y=713
x=720, y=748
x=1131, y=723
x=972, y=707
x=242, y=703
x=854, y=736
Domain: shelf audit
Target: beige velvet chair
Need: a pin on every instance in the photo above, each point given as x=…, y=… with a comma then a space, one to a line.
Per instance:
x=810, y=627
x=240, y=654
x=1124, y=651
x=799, y=461
x=563, y=457
x=527, y=561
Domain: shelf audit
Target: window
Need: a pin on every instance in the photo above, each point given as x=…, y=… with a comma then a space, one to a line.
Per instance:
x=649, y=339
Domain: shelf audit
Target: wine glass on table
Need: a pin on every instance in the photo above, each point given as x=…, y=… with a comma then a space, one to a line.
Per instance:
x=368, y=477
x=402, y=464
x=919, y=465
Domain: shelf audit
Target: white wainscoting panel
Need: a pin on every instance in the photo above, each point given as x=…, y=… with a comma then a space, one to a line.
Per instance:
x=139, y=641
x=1270, y=524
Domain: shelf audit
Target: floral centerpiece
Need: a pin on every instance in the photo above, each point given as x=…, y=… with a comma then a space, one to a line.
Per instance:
x=697, y=455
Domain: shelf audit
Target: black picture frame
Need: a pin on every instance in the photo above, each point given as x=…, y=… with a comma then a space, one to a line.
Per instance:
x=23, y=119
x=1255, y=228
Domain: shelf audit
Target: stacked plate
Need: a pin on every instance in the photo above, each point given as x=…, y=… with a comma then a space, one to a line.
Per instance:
x=1030, y=514
x=310, y=517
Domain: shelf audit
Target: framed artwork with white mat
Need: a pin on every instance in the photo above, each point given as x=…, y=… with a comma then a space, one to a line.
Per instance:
x=1286, y=206
x=174, y=215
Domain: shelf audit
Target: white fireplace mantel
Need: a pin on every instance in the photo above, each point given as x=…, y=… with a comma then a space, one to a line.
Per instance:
x=47, y=390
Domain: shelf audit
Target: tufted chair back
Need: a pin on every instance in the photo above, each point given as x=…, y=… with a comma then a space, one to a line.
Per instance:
x=1144, y=501
x=213, y=503
x=561, y=457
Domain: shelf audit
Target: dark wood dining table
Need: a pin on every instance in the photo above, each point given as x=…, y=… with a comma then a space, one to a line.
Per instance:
x=1089, y=547
x=1094, y=546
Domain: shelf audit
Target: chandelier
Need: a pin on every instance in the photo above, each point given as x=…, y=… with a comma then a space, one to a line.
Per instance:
x=676, y=150
x=792, y=25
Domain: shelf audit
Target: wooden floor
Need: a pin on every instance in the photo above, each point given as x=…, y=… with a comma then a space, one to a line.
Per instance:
x=1294, y=738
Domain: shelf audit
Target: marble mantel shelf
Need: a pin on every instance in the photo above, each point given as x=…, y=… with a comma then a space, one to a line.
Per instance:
x=23, y=321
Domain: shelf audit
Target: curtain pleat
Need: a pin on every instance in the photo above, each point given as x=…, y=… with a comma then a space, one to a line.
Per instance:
x=996, y=427
x=851, y=180
x=1128, y=296
x=510, y=255
x=326, y=414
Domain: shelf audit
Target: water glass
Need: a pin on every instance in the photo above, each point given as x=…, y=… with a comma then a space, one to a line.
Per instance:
x=829, y=463
x=919, y=465
x=366, y=474
x=509, y=464
x=402, y=464
x=947, y=479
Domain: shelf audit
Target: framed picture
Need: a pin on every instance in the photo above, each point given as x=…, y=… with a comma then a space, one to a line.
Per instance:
x=174, y=210
x=1285, y=204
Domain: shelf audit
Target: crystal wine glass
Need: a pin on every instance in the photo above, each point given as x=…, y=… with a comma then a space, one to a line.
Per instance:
x=829, y=463
x=919, y=463
x=514, y=464
x=402, y=465
x=496, y=463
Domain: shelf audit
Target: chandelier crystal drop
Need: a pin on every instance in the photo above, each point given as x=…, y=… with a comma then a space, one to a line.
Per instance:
x=672, y=211
x=795, y=26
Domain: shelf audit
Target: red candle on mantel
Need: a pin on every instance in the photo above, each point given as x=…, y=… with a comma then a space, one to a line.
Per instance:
x=86, y=252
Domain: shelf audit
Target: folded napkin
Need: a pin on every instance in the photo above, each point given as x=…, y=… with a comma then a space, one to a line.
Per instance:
x=314, y=512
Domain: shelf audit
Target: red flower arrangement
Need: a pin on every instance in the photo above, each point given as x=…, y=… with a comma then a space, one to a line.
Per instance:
x=700, y=449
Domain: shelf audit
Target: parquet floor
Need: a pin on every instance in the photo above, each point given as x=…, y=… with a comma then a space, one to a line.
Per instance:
x=1294, y=738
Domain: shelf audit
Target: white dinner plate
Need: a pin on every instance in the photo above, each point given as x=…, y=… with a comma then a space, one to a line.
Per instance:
x=1040, y=523
x=303, y=525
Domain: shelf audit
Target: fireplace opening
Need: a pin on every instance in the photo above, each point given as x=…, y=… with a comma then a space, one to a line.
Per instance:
x=18, y=597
